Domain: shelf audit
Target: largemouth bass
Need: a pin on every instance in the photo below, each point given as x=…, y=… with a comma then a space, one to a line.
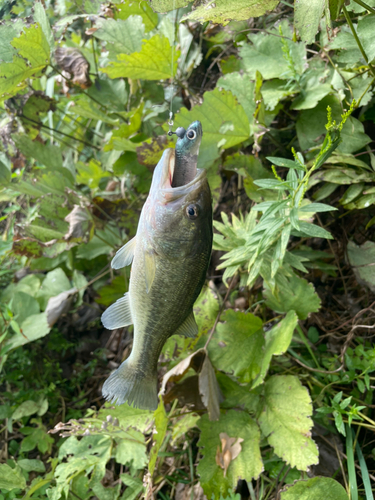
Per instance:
x=170, y=255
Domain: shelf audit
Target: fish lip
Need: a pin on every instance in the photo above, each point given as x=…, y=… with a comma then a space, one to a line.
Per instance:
x=170, y=193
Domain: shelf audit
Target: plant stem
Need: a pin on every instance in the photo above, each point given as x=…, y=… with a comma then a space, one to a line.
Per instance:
x=349, y=21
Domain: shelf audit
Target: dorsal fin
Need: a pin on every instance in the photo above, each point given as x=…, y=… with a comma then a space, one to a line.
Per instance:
x=125, y=255
x=118, y=314
x=189, y=327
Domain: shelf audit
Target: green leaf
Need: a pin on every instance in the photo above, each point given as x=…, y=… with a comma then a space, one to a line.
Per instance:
x=124, y=36
x=24, y=305
x=206, y=308
x=365, y=32
x=243, y=88
x=278, y=340
x=248, y=332
x=286, y=421
x=167, y=5
x=311, y=126
x=317, y=207
x=317, y=488
x=54, y=283
x=247, y=465
x=183, y=425
x=11, y=479
x=223, y=11
x=9, y=31
x=313, y=231
x=362, y=259
x=265, y=54
x=88, y=109
x=34, y=327
x=30, y=407
x=32, y=464
x=161, y=423
x=307, y=15
x=33, y=45
x=132, y=451
x=313, y=89
x=224, y=121
x=138, y=8
x=134, y=487
x=41, y=18
x=5, y=174
x=335, y=8
x=50, y=156
x=14, y=74
x=153, y=62
x=293, y=294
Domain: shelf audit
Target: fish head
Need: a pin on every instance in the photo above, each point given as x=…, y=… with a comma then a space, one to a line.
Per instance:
x=189, y=140
x=178, y=219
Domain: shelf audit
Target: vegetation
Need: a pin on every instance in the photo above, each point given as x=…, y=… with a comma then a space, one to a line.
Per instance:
x=274, y=398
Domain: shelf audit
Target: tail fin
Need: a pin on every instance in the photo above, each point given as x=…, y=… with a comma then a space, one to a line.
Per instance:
x=129, y=385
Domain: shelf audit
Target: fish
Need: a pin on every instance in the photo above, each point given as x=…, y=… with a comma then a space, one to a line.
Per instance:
x=170, y=254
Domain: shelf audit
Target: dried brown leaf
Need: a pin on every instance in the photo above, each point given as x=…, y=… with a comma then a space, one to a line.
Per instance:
x=59, y=305
x=80, y=223
x=209, y=390
x=75, y=65
x=230, y=449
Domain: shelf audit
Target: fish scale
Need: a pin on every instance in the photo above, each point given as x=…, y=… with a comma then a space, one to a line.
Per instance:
x=170, y=255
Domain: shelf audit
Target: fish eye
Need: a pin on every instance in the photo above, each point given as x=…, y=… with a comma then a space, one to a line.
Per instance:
x=191, y=134
x=192, y=212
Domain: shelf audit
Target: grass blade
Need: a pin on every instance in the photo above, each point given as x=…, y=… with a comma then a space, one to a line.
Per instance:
x=365, y=475
x=353, y=490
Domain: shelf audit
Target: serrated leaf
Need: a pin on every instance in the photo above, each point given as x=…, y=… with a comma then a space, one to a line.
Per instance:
x=167, y=5
x=224, y=122
x=243, y=88
x=138, y=8
x=307, y=15
x=124, y=36
x=319, y=488
x=293, y=294
x=131, y=450
x=278, y=340
x=127, y=416
x=14, y=74
x=8, y=31
x=183, y=425
x=265, y=54
x=223, y=11
x=153, y=62
x=11, y=479
x=286, y=421
x=247, y=330
x=247, y=465
x=32, y=44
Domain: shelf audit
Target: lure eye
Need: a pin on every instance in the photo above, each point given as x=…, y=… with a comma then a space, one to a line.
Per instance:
x=192, y=212
x=191, y=134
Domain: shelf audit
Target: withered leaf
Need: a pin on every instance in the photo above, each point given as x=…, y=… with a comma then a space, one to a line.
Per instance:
x=59, y=305
x=75, y=65
x=194, y=361
x=230, y=449
x=80, y=223
x=209, y=390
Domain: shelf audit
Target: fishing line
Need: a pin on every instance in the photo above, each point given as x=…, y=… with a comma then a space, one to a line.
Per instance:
x=170, y=121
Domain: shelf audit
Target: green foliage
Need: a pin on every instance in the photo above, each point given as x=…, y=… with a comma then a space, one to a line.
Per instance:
x=76, y=162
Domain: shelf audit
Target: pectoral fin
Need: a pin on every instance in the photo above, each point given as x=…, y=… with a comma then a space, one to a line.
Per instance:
x=118, y=314
x=189, y=327
x=150, y=269
x=125, y=255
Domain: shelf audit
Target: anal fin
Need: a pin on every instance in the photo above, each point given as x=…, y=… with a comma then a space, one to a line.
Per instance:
x=189, y=327
x=118, y=314
x=125, y=255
